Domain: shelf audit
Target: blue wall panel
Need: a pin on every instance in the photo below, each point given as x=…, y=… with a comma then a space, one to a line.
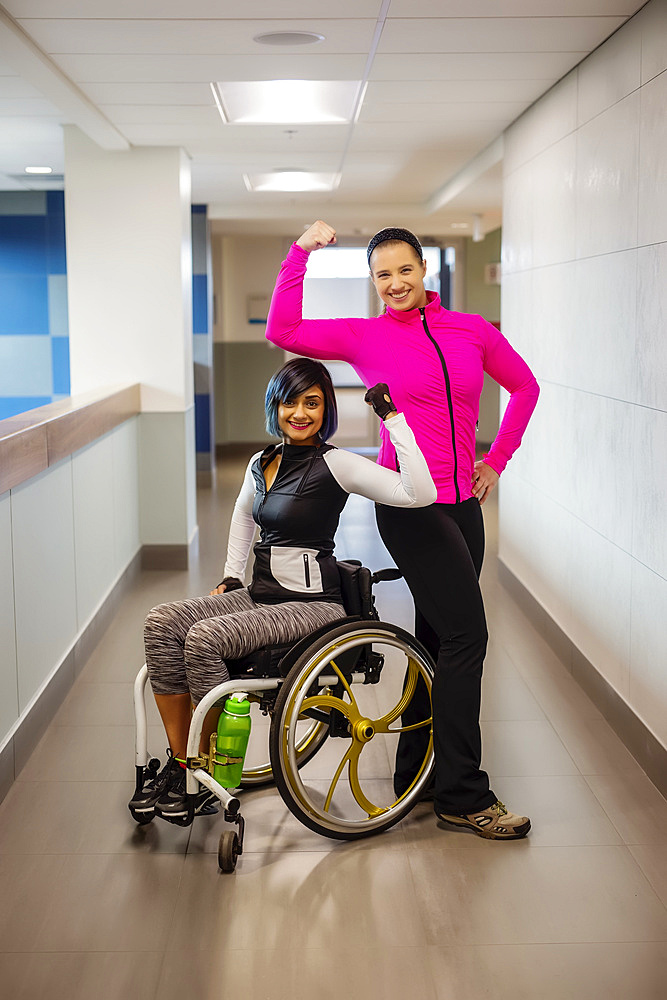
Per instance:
x=25, y=305
x=34, y=343
x=199, y=303
x=11, y=405
x=60, y=365
x=23, y=244
x=203, y=422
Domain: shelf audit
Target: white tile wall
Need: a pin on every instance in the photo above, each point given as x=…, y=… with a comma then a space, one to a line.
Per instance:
x=9, y=707
x=583, y=516
x=648, y=677
x=125, y=493
x=543, y=124
x=653, y=162
x=649, y=497
x=610, y=73
x=44, y=575
x=517, y=252
x=653, y=22
x=552, y=339
x=92, y=481
x=554, y=203
x=65, y=537
x=605, y=325
x=607, y=180
x=163, y=483
x=601, y=604
x=651, y=346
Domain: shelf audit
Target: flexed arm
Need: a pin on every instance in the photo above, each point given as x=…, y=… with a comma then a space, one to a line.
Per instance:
x=411, y=486
x=324, y=339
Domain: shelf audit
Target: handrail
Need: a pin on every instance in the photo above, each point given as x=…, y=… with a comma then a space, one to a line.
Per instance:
x=31, y=442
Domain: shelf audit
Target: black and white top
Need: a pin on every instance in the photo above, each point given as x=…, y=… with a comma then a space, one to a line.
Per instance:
x=298, y=516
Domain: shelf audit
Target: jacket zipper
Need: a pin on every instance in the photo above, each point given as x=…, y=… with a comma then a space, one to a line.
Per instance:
x=449, y=401
x=306, y=566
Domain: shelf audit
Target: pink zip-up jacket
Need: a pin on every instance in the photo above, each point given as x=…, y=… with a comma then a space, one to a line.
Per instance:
x=433, y=361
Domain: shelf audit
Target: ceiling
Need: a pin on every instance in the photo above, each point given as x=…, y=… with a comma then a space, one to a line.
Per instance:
x=445, y=78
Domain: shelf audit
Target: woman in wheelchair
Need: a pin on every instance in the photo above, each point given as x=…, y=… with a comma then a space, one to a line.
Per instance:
x=295, y=491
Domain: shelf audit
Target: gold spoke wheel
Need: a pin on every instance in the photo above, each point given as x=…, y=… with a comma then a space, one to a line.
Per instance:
x=354, y=797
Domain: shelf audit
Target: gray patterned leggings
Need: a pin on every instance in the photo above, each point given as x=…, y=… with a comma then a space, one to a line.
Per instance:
x=187, y=642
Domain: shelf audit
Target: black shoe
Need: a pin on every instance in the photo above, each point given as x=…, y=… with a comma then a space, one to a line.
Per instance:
x=143, y=802
x=172, y=805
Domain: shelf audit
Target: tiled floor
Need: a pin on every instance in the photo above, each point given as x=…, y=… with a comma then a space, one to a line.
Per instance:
x=92, y=906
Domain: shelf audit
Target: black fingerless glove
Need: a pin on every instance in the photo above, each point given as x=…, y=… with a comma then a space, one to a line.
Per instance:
x=231, y=583
x=379, y=398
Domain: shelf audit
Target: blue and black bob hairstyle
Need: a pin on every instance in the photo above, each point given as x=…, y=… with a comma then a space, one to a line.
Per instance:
x=292, y=380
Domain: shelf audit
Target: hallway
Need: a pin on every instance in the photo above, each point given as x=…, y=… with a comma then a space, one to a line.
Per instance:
x=96, y=907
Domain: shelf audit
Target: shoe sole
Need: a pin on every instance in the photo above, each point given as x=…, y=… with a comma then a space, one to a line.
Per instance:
x=518, y=834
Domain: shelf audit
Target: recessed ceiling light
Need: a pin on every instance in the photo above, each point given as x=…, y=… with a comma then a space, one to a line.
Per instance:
x=39, y=170
x=459, y=225
x=287, y=101
x=288, y=38
x=291, y=180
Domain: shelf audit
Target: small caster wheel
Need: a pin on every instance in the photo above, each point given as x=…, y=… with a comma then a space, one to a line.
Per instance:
x=153, y=766
x=141, y=818
x=228, y=851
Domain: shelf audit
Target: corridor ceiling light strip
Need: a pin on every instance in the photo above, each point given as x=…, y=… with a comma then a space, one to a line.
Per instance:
x=287, y=102
x=291, y=180
x=39, y=170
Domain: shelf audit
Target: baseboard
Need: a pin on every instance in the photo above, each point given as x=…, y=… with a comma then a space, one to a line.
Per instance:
x=640, y=741
x=15, y=753
x=169, y=557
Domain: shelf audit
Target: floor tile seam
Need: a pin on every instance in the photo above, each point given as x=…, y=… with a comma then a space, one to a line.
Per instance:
x=646, y=876
x=626, y=843
x=79, y=951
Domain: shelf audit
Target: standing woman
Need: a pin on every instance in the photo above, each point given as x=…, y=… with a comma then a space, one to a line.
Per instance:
x=434, y=361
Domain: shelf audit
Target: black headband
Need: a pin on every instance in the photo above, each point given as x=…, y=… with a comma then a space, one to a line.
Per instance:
x=404, y=235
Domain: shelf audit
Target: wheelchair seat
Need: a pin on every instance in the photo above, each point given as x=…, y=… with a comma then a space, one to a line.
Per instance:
x=356, y=590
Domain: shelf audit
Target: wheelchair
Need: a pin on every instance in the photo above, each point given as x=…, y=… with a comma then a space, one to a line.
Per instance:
x=338, y=693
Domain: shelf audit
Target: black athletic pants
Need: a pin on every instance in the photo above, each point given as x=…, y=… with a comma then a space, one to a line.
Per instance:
x=439, y=549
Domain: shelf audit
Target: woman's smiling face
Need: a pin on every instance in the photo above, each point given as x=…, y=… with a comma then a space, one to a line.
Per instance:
x=300, y=418
x=398, y=276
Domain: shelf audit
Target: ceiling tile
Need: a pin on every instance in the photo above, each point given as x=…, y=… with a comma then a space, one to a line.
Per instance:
x=548, y=66
x=193, y=68
x=515, y=8
x=160, y=9
x=150, y=93
x=435, y=91
x=170, y=37
x=496, y=34
x=455, y=111
x=125, y=114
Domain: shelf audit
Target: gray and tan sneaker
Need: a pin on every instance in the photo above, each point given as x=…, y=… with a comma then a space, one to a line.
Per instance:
x=494, y=823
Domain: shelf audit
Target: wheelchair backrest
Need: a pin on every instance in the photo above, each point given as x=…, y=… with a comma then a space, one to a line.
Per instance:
x=355, y=585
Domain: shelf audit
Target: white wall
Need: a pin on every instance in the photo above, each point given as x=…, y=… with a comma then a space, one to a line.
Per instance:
x=66, y=537
x=583, y=503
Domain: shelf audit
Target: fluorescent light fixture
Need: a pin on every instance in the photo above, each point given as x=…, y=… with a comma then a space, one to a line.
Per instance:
x=303, y=102
x=291, y=180
x=39, y=170
x=459, y=225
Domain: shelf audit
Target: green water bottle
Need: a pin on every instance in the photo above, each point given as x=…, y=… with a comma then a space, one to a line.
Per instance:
x=232, y=741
